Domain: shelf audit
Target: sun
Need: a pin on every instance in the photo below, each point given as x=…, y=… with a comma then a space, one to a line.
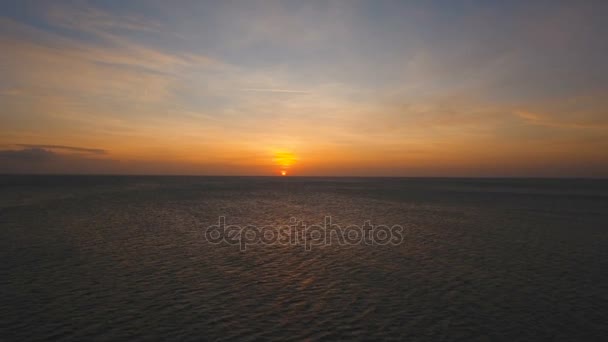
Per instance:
x=284, y=160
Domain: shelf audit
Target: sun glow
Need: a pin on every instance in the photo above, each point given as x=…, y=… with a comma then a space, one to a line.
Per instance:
x=284, y=159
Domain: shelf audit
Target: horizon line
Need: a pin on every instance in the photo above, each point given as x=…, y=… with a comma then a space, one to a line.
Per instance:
x=299, y=176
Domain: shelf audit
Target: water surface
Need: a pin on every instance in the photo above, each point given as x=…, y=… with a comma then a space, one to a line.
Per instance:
x=112, y=257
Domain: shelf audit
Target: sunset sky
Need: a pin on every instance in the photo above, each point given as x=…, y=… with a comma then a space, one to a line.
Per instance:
x=352, y=88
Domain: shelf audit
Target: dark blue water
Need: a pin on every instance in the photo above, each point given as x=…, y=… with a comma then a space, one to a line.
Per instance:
x=109, y=258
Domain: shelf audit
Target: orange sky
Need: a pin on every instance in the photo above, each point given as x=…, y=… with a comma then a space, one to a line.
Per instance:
x=342, y=88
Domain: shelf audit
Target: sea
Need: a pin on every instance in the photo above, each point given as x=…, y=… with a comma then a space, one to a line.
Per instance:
x=143, y=258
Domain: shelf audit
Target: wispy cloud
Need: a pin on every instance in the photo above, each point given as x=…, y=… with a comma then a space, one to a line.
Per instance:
x=65, y=148
x=93, y=19
x=586, y=111
x=549, y=121
x=271, y=90
x=11, y=158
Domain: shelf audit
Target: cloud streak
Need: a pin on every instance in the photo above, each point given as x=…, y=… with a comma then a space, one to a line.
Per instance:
x=65, y=148
x=271, y=90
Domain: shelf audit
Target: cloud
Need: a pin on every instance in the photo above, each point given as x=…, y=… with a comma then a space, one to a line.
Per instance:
x=271, y=90
x=39, y=160
x=552, y=121
x=587, y=111
x=66, y=148
x=45, y=161
x=88, y=18
x=111, y=64
x=28, y=156
x=113, y=81
x=32, y=158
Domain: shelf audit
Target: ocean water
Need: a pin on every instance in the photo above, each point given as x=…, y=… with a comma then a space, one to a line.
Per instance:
x=110, y=257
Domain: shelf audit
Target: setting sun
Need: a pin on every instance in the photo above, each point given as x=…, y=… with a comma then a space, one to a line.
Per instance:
x=284, y=160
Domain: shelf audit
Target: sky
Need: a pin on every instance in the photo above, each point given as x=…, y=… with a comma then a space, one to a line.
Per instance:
x=313, y=88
